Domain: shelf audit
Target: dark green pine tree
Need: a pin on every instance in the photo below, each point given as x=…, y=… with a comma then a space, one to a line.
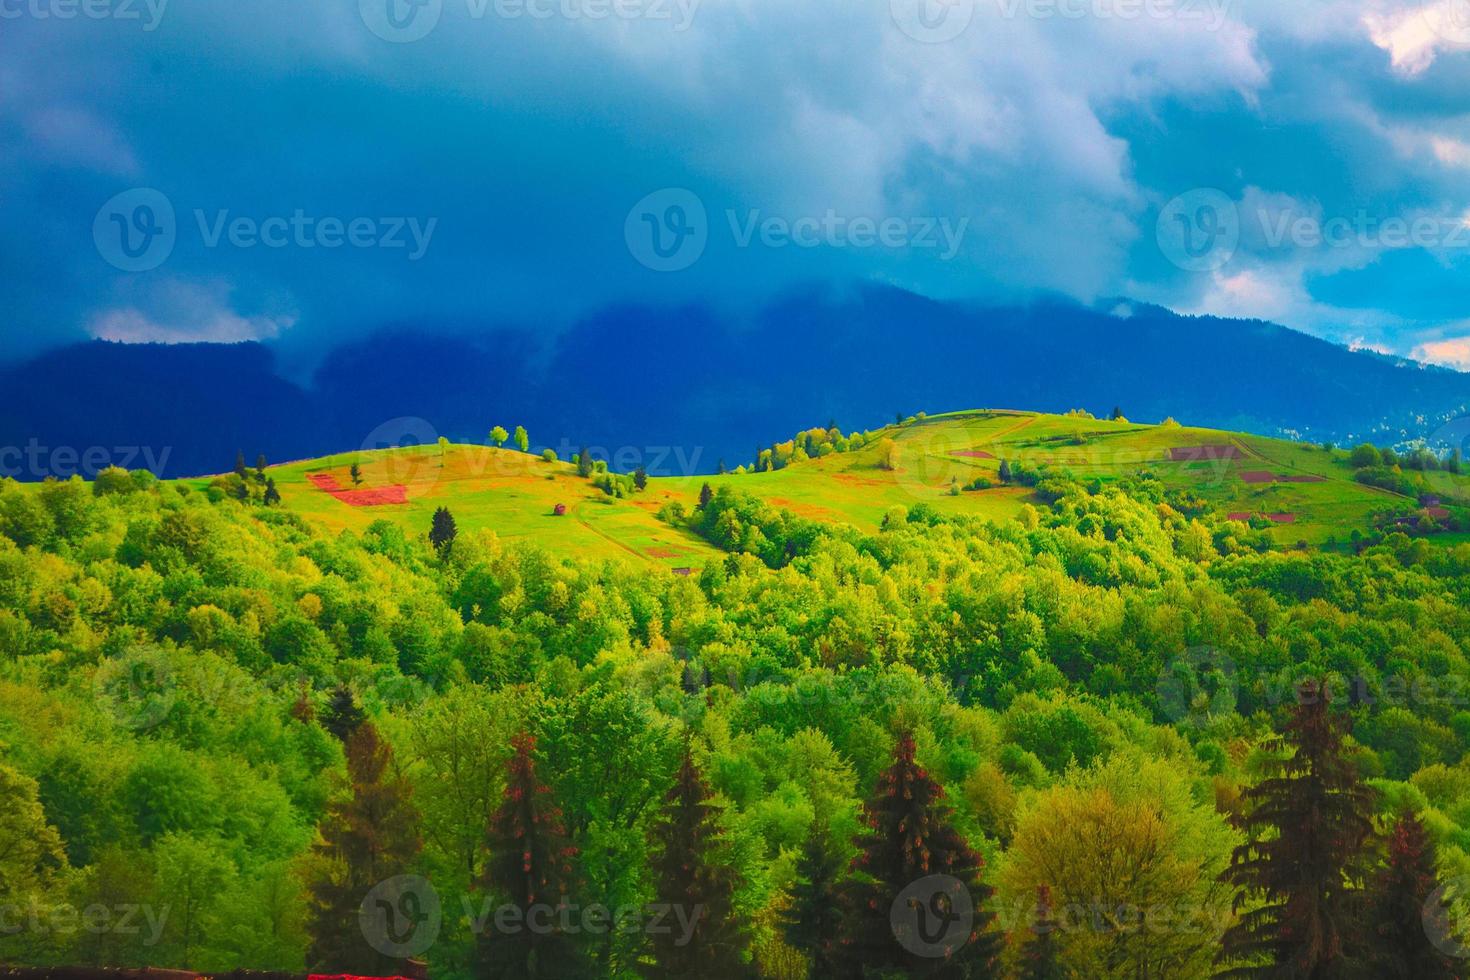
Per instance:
x=640, y=478
x=272, y=495
x=812, y=922
x=530, y=869
x=260, y=467
x=1402, y=891
x=342, y=716
x=694, y=883
x=1005, y=471
x=705, y=495
x=890, y=930
x=443, y=531
x=240, y=463
x=1040, y=957
x=584, y=463
x=1300, y=875
x=367, y=836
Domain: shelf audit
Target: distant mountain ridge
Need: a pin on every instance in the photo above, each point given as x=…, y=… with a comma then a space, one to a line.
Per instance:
x=714, y=386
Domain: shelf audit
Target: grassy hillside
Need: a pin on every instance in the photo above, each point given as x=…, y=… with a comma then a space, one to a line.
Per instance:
x=1297, y=492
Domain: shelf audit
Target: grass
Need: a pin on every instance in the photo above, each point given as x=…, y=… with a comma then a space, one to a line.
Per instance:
x=515, y=494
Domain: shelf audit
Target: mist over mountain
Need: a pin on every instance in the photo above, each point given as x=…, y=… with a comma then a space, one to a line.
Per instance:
x=683, y=388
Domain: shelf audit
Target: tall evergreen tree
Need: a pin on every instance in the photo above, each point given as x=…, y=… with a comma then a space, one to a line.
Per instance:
x=272, y=495
x=705, y=495
x=530, y=870
x=342, y=716
x=696, y=884
x=443, y=531
x=367, y=836
x=640, y=478
x=584, y=463
x=356, y=474
x=1040, y=957
x=1402, y=892
x=240, y=470
x=890, y=929
x=260, y=467
x=1301, y=872
x=813, y=921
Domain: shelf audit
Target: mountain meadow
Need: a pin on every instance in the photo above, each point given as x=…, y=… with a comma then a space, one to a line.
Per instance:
x=985, y=694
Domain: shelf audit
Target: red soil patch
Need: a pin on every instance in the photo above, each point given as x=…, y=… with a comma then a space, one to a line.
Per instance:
x=1196, y=454
x=1265, y=476
x=1281, y=518
x=1238, y=516
x=975, y=454
x=665, y=552
x=373, y=497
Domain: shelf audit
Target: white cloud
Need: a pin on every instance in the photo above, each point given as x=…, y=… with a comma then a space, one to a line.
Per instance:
x=181, y=312
x=1414, y=37
x=1451, y=352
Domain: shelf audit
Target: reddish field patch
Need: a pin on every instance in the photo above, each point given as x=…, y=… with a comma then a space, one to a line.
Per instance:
x=1281, y=518
x=1197, y=454
x=372, y=497
x=975, y=454
x=665, y=552
x=1238, y=516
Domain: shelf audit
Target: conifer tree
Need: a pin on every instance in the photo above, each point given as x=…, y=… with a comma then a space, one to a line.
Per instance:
x=813, y=921
x=1040, y=957
x=1402, y=892
x=1300, y=874
x=240, y=463
x=1005, y=471
x=705, y=495
x=342, y=716
x=694, y=884
x=889, y=928
x=640, y=478
x=356, y=474
x=530, y=870
x=584, y=463
x=443, y=531
x=260, y=465
x=272, y=495
x=366, y=837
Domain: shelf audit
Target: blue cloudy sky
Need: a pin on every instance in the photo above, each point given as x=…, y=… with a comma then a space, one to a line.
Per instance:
x=187, y=170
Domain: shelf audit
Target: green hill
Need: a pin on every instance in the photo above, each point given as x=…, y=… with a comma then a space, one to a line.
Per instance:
x=1289, y=491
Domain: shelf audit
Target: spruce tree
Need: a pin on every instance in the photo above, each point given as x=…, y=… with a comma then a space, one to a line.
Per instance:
x=946, y=930
x=530, y=870
x=584, y=463
x=272, y=495
x=1402, y=892
x=705, y=495
x=640, y=478
x=366, y=837
x=260, y=465
x=443, y=531
x=342, y=716
x=1040, y=957
x=812, y=922
x=1005, y=471
x=240, y=463
x=1300, y=873
x=695, y=884
x=356, y=473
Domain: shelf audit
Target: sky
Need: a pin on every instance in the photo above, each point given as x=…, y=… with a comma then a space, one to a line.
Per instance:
x=304, y=173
